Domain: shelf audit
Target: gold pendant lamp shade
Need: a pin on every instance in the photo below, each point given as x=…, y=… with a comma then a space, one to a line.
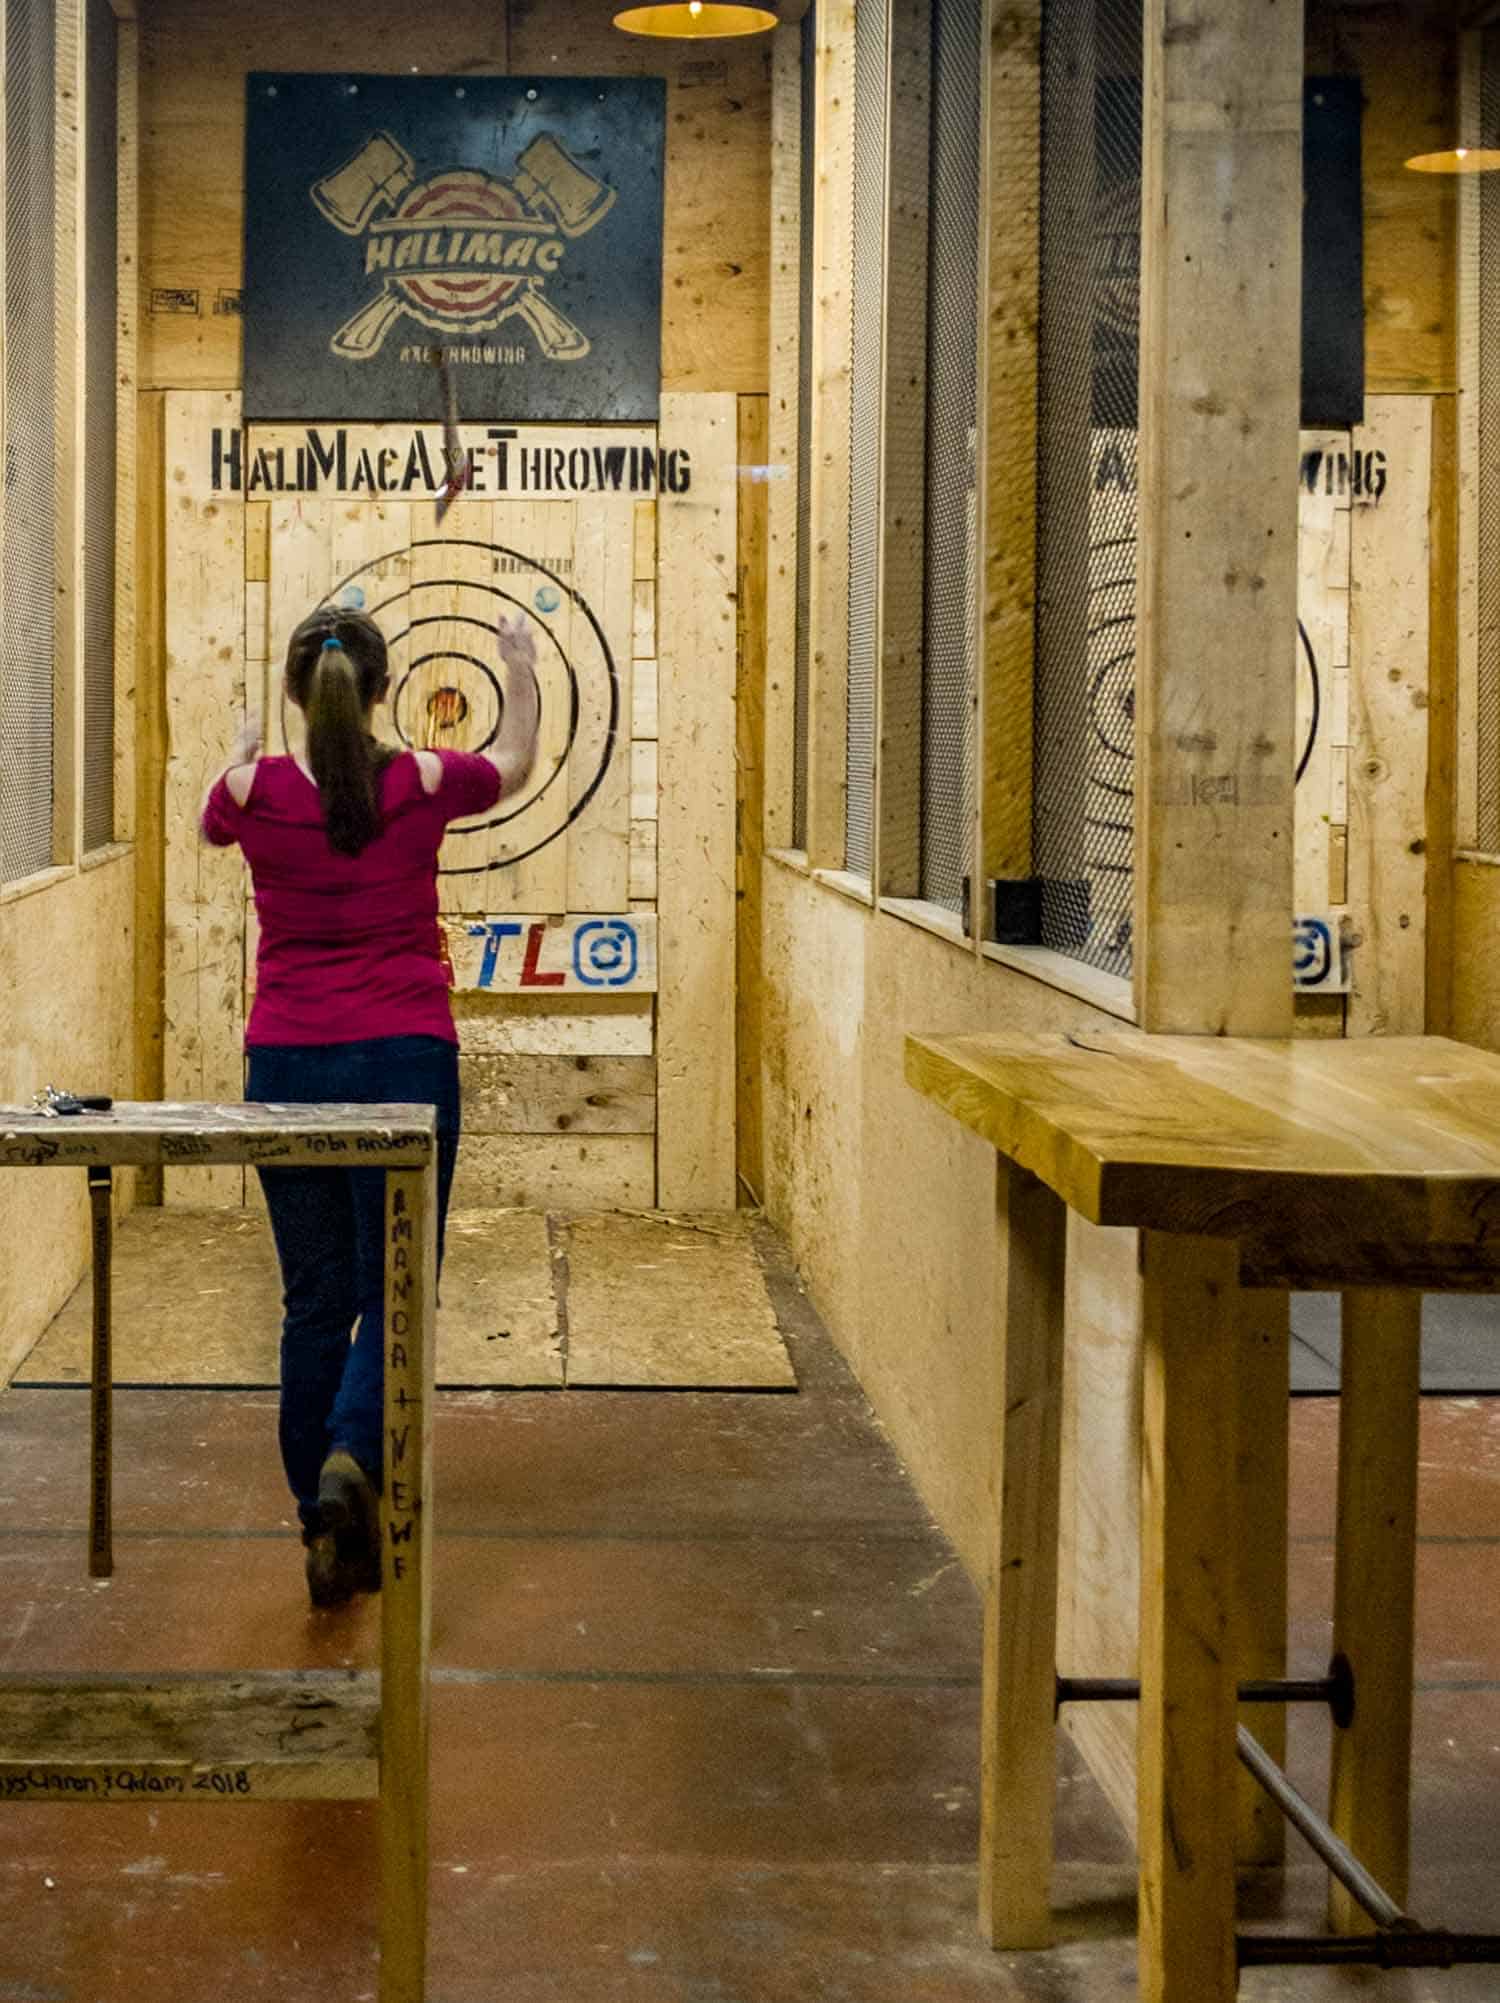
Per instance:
x=695, y=20
x=1457, y=160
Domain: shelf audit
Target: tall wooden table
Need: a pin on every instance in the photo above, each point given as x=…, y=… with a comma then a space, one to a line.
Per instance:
x=1369, y=1167
x=280, y=1736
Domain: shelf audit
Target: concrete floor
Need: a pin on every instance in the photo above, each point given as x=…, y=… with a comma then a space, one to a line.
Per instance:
x=705, y=1713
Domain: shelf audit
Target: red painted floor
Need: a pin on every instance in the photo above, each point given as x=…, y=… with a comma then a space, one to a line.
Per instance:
x=705, y=1713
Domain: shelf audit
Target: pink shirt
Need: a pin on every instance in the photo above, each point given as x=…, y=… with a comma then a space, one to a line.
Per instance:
x=348, y=944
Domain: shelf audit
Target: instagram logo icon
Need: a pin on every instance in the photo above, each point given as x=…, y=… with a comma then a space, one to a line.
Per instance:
x=606, y=953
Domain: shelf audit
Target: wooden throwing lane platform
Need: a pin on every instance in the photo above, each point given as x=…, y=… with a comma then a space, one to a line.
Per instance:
x=1369, y=1167
x=288, y=1735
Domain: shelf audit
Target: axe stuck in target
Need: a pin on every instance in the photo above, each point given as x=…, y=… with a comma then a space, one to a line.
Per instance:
x=462, y=251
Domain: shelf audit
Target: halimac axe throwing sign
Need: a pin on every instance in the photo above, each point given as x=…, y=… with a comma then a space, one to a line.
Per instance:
x=513, y=223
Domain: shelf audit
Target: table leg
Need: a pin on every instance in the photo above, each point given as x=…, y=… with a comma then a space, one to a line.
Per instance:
x=1189, y=1314
x=1263, y=1363
x=1374, y=1587
x=406, y=1612
x=101, y=1378
x=1018, y=1744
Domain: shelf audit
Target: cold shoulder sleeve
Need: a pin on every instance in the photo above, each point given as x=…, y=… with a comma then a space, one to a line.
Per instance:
x=222, y=814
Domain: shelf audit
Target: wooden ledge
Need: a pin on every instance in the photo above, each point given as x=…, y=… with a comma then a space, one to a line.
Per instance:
x=149, y=1134
x=276, y=1736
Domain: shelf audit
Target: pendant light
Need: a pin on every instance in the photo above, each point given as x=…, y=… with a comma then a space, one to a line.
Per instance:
x=696, y=20
x=1457, y=160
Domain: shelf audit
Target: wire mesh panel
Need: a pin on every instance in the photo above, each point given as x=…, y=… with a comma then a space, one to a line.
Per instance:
x=1487, y=707
x=100, y=148
x=26, y=630
x=951, y=557
x=806, y=288
x=871, y=95
x=1088, y=365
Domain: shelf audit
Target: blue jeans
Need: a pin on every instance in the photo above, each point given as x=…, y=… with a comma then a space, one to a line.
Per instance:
x=329, y=1226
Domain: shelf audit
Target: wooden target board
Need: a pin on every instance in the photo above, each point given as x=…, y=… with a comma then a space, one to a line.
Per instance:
x=550, y=899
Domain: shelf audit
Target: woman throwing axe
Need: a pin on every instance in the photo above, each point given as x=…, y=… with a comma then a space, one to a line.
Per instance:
x=351, y=1004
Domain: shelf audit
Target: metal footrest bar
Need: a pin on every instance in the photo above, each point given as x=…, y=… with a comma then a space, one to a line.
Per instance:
x=1335, y=1853
x=1336, y=1690
x=1414, y=1947
x=1400, y=1941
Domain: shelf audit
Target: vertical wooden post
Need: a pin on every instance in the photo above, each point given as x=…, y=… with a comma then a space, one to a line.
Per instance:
x=1221, y=306
x=696, y=640
x=1189, y=1304
x=1221, y=226
x=1263, y=1369
x=832, y=366
x=101, y=1388
x=1012, y=250
x=781, y=502
x=1374, y=1581
x=406, y=1552
x=1020, y=1602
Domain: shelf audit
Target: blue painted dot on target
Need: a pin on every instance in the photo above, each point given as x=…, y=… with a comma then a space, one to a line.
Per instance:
x=547, y=598
x=352, y=598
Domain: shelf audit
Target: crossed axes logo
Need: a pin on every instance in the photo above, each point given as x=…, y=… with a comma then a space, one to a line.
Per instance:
x=462, y=252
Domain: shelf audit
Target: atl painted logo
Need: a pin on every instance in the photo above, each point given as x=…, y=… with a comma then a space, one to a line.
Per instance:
x=462, y=252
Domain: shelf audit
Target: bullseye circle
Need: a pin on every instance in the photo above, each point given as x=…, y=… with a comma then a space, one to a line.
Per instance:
x=447, y=683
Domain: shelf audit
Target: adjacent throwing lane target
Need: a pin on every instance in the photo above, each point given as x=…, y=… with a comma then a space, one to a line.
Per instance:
x=448, y=681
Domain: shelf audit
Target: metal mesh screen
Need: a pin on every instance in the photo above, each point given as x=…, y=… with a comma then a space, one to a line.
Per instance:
x=1487, y=707
x=100, y=167
x=1088, y=364
x=26, y=629
x=871, y=93
x=806, y=290
x=951, y=554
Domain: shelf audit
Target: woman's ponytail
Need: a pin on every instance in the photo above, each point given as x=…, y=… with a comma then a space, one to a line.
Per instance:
x=336, y=667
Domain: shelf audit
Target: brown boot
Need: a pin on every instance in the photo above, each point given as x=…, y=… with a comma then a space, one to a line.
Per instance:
x=350, y=1509
x=330, y=1579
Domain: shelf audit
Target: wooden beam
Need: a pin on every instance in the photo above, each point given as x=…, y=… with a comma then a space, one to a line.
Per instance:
x=1018, y=1777
x=1373, y=1592
x=750, y=728
x=781, y=447
x=1009, y=319
x=898, y=796
x=406, y=1588
x=1187, y=1776
x=70, y=438
x=1219, y=388
x=696, y=631
x=1262, y=1358
x=832, y=364
x=127, y=325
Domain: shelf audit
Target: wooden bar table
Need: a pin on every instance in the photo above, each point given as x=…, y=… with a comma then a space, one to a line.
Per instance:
x=1369, y=1167
x=280, y=1735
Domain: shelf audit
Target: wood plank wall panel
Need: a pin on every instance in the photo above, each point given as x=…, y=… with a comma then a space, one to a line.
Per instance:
x=204, y=930
x=696, y=631
x=716, y=232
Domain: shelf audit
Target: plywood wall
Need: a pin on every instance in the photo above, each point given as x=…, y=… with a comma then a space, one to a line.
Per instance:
x=575, y=1091
x=65, y=1018
x=195, y=60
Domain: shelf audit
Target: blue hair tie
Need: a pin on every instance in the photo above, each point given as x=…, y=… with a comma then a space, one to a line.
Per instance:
x=331, y=642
